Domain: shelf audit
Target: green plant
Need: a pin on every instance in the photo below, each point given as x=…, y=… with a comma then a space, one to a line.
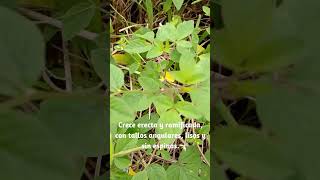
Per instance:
x=50, y=125
x=161, y=77
x=268, y=50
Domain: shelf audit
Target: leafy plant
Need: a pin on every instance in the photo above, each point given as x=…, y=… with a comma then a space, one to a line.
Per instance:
x=49, y=125
x=160, y=77
x=266, y=57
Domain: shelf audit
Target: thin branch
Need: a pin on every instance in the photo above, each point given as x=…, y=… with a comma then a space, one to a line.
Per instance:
x=54, y=22
x=142, y=160
x=71, y=54
x=98, y=166
x=50, y=83
x=202, y=155
x=123, y=153
x=67, y=66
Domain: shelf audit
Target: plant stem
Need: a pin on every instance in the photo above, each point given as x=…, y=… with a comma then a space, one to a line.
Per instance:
x=123, y=153
x=225, y=113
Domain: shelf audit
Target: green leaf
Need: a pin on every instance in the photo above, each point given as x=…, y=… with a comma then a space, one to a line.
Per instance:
x=149, y=8
x=187, y=109
x=155, y=172
x=154, y=52
x=175, y=56
x=184, y=47
x=141, y=101
x=206, y=10
x=149, y=84
x=21, y=64
x=120, y=111
x=133, y=67
x=249, y=88
x=187, y=63
x=122, y=162
x=295, y=124
x=146, y=34
x=167, y=32
x=21, y=137
x=201, y=99
x=205, y=173
x=190, y=71
x=162, y=103
x=84, y=125
x=184, y=44
x=169, y=117
x=178, y=4
x=116, y=78
x=151, y=70
x=188, y=78
x=77, y=18
x=144, y=120
x=143, y=175
x=241, y=21
x=167, y=5
x=100, y=64
x=185, y=29
x=273, y=55
x=125, y=144
x=165, y=155
x=181, y=173
x=237, y=146
x=190, y=159
x=137, y=46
